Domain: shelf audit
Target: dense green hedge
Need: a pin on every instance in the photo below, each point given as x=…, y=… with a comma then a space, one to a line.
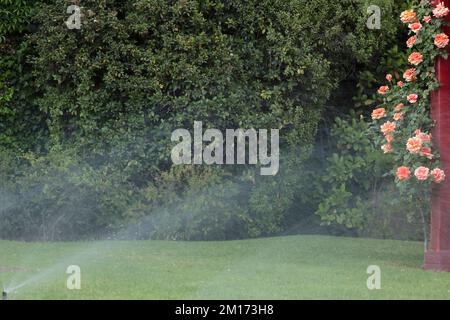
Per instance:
x=94, y=109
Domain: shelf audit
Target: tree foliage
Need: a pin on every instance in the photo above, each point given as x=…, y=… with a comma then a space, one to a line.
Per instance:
x=98, y=104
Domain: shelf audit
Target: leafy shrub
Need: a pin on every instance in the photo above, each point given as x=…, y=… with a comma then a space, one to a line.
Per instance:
x=201, y=202
x=15, y=15
x=20, y=126
x=358, y=194
x=189, y=203
x=112, y=92
x=59, y=197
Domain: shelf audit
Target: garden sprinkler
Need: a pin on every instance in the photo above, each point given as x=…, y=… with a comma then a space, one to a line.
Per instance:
x=5, y=295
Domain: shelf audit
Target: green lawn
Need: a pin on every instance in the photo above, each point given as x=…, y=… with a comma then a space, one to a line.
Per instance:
x=294, y=267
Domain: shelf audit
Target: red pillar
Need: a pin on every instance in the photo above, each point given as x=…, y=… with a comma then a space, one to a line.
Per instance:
x=438, y=255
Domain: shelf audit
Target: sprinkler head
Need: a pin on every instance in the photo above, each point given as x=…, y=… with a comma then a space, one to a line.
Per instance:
x=4, y=295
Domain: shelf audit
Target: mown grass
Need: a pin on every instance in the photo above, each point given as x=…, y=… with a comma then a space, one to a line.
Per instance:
x=293, y=267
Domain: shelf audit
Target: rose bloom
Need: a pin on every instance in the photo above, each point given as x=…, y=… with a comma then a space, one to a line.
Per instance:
x=387, y=148
x=403, y=173
x=423, y=136
x=411, y=41
x=415, y=58
x=438, y=175
x=378, y=113
x=427, y=19
x=415, y=27
x=389, y=138
x=426, y=152
x=398, y=116
x=399, y=107
x=389, y=77
x=422, y=173
x=412, y=98
x=408, y=16
x=441, y=40
x=440, y=11
x=400, y=84
x=388, y=127
x=414, y=145
x=383, y=89
x=409, y=75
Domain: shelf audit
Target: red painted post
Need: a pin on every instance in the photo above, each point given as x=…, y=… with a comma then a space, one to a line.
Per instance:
x=438, y=255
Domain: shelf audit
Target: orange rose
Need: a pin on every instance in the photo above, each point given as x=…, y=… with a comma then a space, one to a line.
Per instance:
x=412, y=98
x=408, y=16
x=410, y=75
x=389, y=138
x=438, y=175
x=383, y=89
x=389, y=77
x=414, y=145
x=415, y=27
x=422, y=173
x=398, y=116
x=403, y=173
x=423, y=136
x=440, y=11
x=378, y=113
x=399, y=107
x=411, y=41
x=387, y=148
x=426, y=152
x=415, y=58
x=441, y=40
x=427, y=19
x=388, y=127
x=400, y=84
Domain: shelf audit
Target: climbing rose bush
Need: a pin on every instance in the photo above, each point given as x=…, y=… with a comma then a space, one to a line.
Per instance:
x=402, y=120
